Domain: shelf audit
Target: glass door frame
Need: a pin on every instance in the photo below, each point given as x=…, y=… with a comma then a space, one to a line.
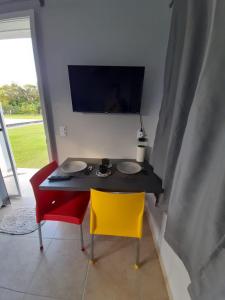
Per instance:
x=41, y=77
x=9, y=152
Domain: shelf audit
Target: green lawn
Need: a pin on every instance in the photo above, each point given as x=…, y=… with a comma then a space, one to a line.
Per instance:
x=29, y=146
x=36, y=117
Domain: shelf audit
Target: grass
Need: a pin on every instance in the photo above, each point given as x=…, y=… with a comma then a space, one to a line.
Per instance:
x=36, y=117
x=29, y=146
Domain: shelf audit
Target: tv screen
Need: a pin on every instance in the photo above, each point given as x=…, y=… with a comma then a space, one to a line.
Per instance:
x=106, y=89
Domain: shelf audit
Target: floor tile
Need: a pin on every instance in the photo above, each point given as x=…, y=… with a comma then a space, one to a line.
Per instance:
x=32, y=297
x=5, y=240
x=20, y=258
x=152, y=284
x=23, y=202
x=71, y=231
x=113, y=275
x=10, y=295
x=62, y=272
x=48, y=230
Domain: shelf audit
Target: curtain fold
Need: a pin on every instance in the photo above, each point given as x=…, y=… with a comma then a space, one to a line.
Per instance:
x=185, y=54
x=189, y=150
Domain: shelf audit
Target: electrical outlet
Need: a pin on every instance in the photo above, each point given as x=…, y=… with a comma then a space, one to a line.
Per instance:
x=140, y=133
x=63, y=130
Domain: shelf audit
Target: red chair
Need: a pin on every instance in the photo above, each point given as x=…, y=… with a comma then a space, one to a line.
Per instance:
x=52, y=205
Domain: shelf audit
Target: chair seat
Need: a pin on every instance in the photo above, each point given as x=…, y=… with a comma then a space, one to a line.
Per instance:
x=70, y=210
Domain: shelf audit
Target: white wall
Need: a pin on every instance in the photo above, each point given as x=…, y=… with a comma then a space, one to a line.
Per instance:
x=110, y=32
x=104, y=32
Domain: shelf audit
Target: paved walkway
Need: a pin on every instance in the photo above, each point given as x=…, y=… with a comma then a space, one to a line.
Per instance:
x=19, y=122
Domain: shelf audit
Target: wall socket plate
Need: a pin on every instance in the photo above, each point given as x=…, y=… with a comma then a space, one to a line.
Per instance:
x=63, y=130
x=140, y=133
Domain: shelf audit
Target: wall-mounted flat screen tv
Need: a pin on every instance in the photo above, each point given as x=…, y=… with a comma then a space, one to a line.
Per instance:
x=106, y=89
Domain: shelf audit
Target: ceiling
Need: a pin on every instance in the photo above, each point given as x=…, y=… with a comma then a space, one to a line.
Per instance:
x=16, y=1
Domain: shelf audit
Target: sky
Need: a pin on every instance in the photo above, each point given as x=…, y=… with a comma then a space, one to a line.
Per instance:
x=17, y=62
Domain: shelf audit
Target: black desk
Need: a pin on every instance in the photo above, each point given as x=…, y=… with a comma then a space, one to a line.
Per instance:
x=145, y=181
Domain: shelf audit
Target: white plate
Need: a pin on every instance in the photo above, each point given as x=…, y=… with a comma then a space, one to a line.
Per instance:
x=74, y=166
x=128, y=167
x=99, y=174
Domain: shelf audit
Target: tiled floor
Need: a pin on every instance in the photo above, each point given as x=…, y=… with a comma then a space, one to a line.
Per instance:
x=63, y=272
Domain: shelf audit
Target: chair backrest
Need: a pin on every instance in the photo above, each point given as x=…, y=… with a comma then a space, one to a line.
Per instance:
x=42, y=197
x=117, y=214
x=41, y=175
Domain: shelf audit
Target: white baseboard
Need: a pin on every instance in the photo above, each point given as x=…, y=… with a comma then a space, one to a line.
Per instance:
x=159, y=255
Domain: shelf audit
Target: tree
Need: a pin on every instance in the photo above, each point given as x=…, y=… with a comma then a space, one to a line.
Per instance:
x=17, y=99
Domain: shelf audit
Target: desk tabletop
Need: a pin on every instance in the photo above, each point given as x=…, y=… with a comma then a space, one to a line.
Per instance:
x=145, y=181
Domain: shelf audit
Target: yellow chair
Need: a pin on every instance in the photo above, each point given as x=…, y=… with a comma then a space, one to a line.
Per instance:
x=116, y=214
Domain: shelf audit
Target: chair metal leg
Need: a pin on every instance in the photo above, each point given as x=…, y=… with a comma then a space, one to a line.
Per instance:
x=81, y=238
x=92, y=249
x=40, y=236
x=136, y=266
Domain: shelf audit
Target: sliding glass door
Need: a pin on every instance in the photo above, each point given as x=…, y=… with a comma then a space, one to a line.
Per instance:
x=7, y=163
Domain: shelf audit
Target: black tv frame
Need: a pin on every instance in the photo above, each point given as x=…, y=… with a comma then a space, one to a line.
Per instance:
x=105, y=112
